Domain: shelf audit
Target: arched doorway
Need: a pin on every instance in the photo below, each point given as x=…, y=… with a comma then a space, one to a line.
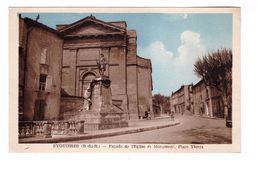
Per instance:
x=85, y=81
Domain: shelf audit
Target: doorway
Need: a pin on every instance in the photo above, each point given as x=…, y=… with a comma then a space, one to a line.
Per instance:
x=85, y=82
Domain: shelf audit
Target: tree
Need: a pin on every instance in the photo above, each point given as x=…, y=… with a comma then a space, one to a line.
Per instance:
x=216, y=70
x=163, y=101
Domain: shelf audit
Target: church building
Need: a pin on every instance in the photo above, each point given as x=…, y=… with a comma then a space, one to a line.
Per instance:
x=85, y=41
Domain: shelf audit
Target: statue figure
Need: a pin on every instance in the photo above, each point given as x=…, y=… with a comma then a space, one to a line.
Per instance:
x=101, y=65
x=87, y=97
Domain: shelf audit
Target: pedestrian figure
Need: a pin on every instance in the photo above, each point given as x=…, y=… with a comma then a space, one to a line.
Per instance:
x=148, y=115
x=172, y=116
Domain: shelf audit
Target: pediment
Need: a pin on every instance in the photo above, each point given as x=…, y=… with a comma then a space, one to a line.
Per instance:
x=90, y=25
x=90, y=28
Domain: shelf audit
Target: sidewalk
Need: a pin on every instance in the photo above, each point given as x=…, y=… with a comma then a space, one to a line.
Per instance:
x=134, y=126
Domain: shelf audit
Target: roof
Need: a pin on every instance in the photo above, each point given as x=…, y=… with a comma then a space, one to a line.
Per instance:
x=180, y=89
x=144, y=62
x=121, y=24
x=43, y=26
x=146, y=59
x=91, y=19
x=199, y=83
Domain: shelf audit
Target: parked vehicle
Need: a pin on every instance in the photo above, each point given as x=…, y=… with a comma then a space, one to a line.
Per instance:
x=229, y=119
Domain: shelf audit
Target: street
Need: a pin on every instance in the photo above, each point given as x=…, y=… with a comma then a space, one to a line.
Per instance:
x=191, y=130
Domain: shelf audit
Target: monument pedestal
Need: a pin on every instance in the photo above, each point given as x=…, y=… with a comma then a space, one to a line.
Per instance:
x=102, y=113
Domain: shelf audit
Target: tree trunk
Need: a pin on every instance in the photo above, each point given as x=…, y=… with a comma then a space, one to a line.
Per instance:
x=225, y=102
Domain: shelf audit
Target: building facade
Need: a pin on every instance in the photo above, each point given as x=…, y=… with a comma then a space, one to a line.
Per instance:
x=157, y=110
x=207, y=100
x=130, y=75
x=40, y=63
x=181, y=101
x=199, y=99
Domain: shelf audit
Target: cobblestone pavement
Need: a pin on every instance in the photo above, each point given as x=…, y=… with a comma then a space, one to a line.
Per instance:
x=192, y=130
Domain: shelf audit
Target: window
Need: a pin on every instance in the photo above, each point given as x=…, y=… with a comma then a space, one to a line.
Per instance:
x=45, y=83
x=43, y=59
x=42, y=83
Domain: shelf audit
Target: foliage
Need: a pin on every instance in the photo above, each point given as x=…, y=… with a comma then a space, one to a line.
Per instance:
x=163, y=101
x=216, y=70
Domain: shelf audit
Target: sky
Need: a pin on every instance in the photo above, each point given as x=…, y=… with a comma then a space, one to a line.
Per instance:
x=172, y=41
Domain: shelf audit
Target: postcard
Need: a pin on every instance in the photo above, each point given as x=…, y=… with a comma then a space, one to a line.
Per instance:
x=124, y=79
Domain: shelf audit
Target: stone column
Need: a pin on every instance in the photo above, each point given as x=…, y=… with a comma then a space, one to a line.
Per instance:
x=47, y=129
x=67, y=127
x=101, y=95
x=80, y=127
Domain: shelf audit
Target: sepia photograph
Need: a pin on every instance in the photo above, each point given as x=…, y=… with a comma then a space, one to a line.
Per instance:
x=125, y=79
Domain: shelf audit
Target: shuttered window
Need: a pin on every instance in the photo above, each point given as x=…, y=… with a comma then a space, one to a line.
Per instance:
x=45, y=83
x=42, y=82
x=48, y=83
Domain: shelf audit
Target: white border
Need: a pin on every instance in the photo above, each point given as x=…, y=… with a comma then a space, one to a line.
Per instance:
x=144, y=166
x=13, y=60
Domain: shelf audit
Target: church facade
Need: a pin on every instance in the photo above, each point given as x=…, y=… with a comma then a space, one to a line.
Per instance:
x=85, y=41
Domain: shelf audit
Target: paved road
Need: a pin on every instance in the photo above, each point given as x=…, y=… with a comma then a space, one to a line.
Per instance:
x=193, y=129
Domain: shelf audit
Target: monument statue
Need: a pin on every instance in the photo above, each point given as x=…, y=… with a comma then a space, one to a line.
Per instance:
x=87, y=98
x=98, y=111
x=101, y=65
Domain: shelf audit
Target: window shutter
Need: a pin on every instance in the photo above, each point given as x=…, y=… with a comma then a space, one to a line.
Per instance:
x=43, y=56
x=48, y=83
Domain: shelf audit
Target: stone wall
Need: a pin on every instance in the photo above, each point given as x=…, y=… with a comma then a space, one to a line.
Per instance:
x=181, y=100
x=198, y=97
x=82, y=48
x=80, y=62
x=68, y=71
x=71, y=104
x=39, y=39
x=22, y=55
x=132, y=89
x=144, y=86
x=207, y=100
